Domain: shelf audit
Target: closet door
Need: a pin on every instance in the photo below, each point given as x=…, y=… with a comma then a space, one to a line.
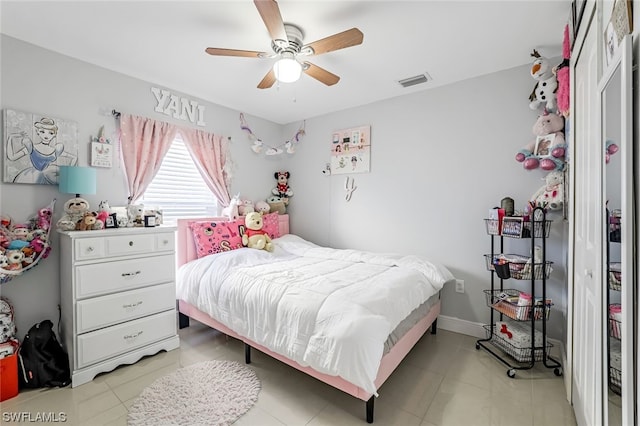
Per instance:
x=588, y=230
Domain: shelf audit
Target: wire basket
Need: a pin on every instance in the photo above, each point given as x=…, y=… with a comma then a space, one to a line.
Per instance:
x=513, y=304
x=615, y=380
x=615, y=277
x=520, y=354
x=493, y=228
x=520, y=267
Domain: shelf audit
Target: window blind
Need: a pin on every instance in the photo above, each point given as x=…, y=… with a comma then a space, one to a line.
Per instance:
x=178, y=189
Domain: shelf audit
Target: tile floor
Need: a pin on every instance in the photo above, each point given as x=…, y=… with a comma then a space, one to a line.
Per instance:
x=443, y=381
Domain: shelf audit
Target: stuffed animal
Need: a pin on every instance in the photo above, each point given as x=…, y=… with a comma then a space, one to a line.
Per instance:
x=544, y=92
x=262, y=207
x=254, y=236
x=87, y=222
x=276, y=204
x=135, y=215
x=4, y=261
x=282, y=190
x=29, y=256
x=562, y=76
x=74, y=210
x=231, y=211
x=101, y=218
x=245, y=207
x=15, y=258
x=547, y=150
x=44, y=218
x=551, y=194
x=104, y=206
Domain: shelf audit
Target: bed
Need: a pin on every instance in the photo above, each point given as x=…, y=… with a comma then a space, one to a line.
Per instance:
x=323, y=311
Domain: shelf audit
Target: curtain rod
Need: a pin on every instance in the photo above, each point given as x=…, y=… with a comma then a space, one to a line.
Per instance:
x=115, y=113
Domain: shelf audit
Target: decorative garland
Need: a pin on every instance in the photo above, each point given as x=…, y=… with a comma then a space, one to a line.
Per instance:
x=259, y=145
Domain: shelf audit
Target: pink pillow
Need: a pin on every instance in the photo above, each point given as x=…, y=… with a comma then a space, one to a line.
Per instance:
x=215, y=237
x=271, y=225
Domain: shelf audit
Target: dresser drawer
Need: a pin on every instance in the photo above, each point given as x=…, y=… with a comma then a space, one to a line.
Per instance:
x=109, y=277
x=125, y=245
x=99, y=312
x=166, y=241
x=109, y=342
x=89, y=248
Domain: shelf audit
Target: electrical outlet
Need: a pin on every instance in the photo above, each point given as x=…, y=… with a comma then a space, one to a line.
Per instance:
x=459, y=286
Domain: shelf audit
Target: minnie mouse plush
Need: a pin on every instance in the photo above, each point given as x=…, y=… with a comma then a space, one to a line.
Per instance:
x=282, y=190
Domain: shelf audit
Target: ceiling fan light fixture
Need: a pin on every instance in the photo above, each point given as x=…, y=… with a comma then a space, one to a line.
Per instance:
x=287, y=70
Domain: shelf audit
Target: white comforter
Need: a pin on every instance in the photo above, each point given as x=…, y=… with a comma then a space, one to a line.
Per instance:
x=325, y=308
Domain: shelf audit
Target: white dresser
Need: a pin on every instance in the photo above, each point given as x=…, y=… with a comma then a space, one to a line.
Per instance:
x=118, y=297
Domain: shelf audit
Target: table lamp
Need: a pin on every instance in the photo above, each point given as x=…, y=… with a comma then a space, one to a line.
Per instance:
x=77, y=180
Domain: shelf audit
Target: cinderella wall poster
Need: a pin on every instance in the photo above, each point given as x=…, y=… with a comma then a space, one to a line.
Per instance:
x=36, y=146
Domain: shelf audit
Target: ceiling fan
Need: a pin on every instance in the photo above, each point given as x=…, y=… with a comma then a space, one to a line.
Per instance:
x=288, y=47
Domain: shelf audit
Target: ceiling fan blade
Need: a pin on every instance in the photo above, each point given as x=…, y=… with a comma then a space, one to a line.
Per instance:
x=268, y=80
x=320, y=74
x=270, y=13
x=348, y=38
x=233, y=52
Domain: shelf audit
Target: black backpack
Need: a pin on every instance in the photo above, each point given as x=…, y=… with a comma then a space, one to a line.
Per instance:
x=42, y=361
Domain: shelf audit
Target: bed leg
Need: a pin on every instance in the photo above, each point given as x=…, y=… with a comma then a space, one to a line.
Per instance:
x=370, y=409
x=183, y=320
x=434, y=326
x=247, y=354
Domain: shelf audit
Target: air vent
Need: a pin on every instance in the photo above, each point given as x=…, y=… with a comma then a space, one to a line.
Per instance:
x=412, y=81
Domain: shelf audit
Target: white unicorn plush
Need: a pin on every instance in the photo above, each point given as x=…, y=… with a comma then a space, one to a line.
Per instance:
x=231, y=211
x=544, y=92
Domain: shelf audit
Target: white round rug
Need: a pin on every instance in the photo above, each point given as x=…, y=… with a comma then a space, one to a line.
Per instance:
x=207, y=393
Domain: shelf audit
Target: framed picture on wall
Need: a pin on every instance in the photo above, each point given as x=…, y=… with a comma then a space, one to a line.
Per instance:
x=36, y=146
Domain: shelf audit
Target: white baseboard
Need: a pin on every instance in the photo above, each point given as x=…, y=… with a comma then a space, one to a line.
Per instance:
x=461, y=326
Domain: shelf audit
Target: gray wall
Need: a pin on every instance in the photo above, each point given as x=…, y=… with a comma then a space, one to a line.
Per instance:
x=440, y=160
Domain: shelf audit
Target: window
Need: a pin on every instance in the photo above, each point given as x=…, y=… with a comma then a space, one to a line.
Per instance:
x=178, y=189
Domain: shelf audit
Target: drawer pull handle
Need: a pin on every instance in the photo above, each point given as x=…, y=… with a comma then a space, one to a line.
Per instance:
x=132, y=305
x=130, y=243
x=165, y=242
x=130, y=274
x=128, y=337
x=89, y=249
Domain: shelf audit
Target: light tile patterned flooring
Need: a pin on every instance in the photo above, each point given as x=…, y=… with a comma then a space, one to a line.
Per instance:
x=443, y=381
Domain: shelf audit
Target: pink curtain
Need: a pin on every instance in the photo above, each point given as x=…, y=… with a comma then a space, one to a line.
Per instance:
x=209, y=152
x=144, y=144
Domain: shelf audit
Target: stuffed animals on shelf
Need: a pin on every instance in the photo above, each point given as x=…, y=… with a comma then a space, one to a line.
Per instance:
x=135, y=215
x=547, y=150
x=544, y=92
x=282, y=190
x=551, y=194
x=245, y=207
x=254, y=236
x=74, y=209
x=262, y=207
x=87, y=223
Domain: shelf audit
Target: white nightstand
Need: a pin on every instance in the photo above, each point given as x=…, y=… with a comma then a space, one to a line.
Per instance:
x=118, y=297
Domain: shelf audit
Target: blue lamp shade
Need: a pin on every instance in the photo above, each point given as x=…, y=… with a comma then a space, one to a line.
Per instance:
x=77, y=180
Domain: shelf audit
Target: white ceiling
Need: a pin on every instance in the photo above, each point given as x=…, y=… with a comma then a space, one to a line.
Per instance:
x=163, y=42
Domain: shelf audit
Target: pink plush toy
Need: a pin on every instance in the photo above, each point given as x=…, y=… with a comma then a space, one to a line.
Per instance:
x=562, y=75
x=547, y=150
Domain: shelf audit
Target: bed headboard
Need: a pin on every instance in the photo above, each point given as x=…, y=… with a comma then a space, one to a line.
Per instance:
x=186, y=249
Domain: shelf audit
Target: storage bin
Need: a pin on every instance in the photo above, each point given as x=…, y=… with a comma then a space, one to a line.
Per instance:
x=9, y=375
x=509, y=302
x=519, y=353
x=520, y=267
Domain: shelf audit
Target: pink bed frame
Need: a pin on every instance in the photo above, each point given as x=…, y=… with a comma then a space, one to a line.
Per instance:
x=186, y=252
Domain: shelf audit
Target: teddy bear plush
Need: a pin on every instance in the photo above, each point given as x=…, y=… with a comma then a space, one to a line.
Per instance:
x=74, y=210
x=135, y=215
x=87, y=222
x=547, y=150
x=254, y=236
x=551, y=194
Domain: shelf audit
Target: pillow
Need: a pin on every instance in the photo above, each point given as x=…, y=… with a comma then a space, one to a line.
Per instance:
x=212, y=237
x=271, y=225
